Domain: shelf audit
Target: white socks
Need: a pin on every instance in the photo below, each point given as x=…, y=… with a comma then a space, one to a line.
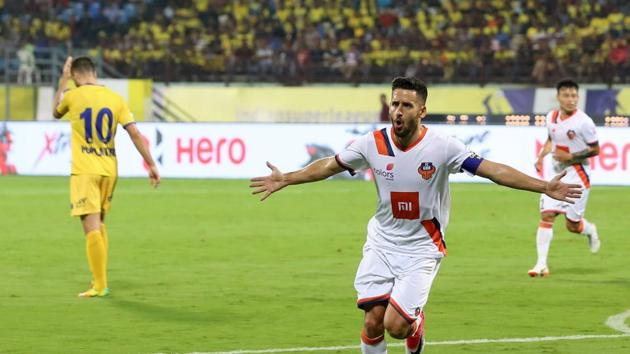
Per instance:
x=544, y=235
x=380, y=348
x=587, y=228
x=373, y=345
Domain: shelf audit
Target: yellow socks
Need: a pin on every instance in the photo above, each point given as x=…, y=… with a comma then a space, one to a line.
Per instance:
x=105, y=242
x=97, y=256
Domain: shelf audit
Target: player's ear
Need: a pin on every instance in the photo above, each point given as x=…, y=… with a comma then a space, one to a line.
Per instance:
x=423, y=111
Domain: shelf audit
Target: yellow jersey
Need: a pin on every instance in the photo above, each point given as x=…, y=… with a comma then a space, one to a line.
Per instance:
x=94, y=112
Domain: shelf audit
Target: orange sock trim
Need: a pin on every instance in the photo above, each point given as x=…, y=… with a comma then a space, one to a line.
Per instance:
x=371, y=341
x=581, y=227
x=545, y=225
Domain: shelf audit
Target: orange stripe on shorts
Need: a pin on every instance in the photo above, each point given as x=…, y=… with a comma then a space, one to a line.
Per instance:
x=583, y=176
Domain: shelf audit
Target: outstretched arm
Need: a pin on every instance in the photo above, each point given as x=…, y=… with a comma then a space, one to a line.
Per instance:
x=136, y=138
x=510, y=177
x=316, y=171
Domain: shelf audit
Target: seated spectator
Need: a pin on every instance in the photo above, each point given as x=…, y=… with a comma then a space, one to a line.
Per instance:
x=296, y=41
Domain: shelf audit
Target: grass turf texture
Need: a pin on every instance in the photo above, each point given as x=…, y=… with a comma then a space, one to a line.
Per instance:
x=201, y=265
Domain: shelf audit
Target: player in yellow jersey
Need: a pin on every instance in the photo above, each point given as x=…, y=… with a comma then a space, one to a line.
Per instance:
x=94, y=112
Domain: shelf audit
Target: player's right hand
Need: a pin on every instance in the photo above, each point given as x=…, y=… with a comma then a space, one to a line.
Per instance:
x=268, y=184
x=66, y=74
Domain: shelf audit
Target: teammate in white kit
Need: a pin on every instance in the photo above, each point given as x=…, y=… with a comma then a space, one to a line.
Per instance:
x=572, y=140
x=405, y=238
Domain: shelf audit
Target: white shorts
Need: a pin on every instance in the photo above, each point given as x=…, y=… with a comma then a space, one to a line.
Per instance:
x=577, y=174
x=403, y=281
x=573, y=212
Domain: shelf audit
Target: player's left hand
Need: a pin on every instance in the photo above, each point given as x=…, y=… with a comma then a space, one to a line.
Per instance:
x=268, y=184
x=539, y=165
x=561, y=191
x=154, y=176
x=562, y=156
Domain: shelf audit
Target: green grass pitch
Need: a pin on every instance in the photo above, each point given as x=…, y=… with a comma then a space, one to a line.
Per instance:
x=203, y=266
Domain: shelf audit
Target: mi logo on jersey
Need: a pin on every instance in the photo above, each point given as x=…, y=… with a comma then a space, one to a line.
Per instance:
x=571, y=134
x=426, y=170
x=405, y=205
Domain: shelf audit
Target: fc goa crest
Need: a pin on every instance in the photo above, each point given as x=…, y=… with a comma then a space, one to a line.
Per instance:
x=426, y=170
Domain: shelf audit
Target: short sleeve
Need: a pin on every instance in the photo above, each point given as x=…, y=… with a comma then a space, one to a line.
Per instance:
x=456, y=154
x=126, y=117
x=589, y=133
x=354, y=157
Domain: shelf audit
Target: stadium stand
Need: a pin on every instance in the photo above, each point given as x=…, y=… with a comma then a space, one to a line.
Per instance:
x=294, y=42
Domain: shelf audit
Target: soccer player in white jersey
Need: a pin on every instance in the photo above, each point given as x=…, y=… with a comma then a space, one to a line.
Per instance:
x=405, y=238
x=572, y=140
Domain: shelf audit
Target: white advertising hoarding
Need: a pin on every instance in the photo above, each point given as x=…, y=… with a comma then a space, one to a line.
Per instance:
x=215, y=150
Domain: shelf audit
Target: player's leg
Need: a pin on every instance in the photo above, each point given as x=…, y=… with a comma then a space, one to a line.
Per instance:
x=85, y=202
x=105, y=238
x=587, y=229
x=96, y=253
x=549, y=209
x=108, y=185
x=576, y=222
x=89, y=225
x=544, y=235
x=373, y=333
x=398, y=323
x=404, y=318
x=105, y=243
x=373, y=282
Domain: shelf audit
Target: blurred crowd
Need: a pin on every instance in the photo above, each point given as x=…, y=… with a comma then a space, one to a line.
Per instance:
x=358, y=41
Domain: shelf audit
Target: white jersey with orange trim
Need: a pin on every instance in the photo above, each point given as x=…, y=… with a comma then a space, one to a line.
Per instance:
x=412, y=185
x=572, y=134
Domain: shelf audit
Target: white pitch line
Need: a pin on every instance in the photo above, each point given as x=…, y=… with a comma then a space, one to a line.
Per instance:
x=618, y=322
x=450, y=342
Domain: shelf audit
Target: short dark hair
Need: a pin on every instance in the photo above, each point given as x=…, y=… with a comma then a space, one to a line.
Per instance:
x=83, y=65
x=567, y=83
x=411, y=83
